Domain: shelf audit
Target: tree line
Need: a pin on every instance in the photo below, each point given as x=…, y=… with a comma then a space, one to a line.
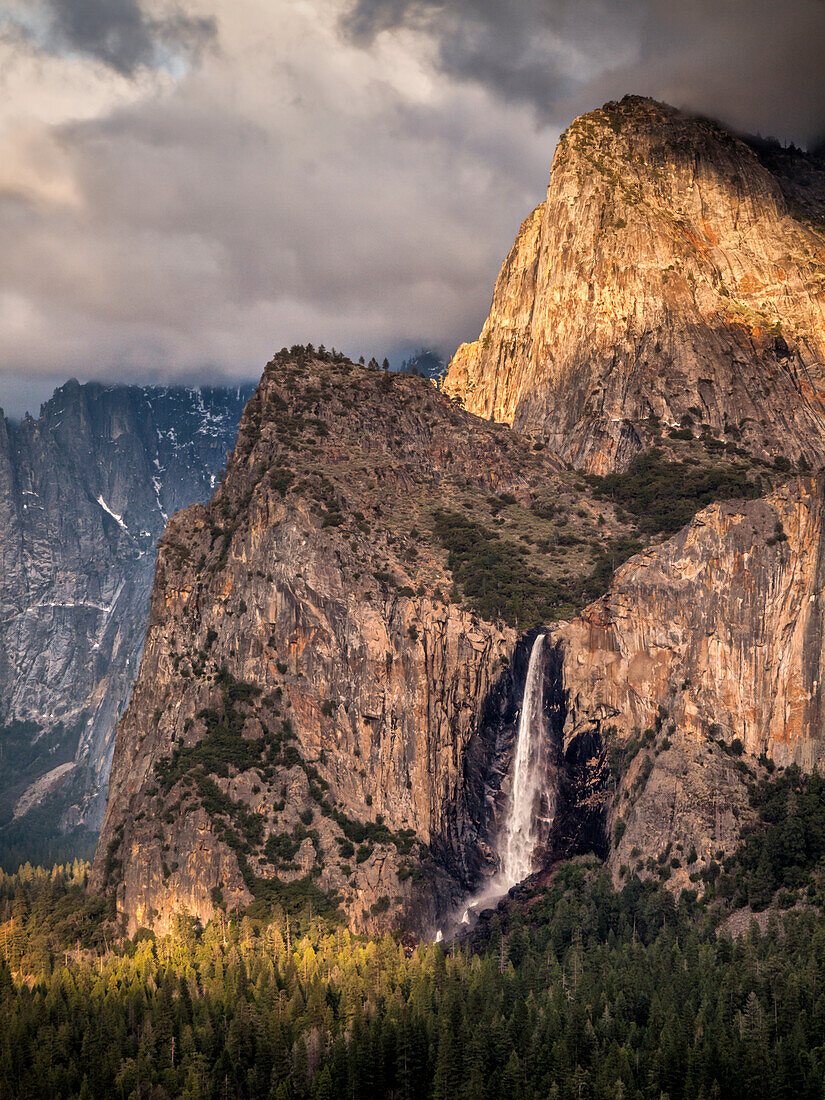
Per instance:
x=579, y=992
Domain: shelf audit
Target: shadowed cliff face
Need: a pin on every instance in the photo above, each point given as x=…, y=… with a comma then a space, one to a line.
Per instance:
x=318, y=711
x=85, y=491
x=668, y=273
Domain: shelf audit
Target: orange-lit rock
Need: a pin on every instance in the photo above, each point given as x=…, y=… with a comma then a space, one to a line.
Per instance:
x=332, y=598
x=713, y=636
x=668, y=272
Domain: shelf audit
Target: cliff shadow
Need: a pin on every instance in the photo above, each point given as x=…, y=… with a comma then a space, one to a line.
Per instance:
x=464, y=847
x=574, y=807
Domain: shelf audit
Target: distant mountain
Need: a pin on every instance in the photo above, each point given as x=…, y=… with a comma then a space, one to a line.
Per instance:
x=85, y=492
x=426, y=362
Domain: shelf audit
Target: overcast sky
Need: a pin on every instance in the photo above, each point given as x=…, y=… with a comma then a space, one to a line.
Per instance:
x=187, y=186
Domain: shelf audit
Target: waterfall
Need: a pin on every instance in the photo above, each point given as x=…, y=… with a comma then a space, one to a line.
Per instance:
x=519, y=835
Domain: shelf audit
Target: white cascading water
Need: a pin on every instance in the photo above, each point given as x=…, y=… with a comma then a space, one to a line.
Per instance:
x=519, y=834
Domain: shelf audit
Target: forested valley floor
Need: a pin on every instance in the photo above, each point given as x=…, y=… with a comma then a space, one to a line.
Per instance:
x=577, y=991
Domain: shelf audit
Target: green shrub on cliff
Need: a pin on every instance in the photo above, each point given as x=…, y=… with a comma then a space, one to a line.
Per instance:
x=663, y=496
x=495, y=577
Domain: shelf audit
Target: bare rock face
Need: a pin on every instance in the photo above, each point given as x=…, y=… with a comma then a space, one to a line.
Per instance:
x=327, y=700
x=670, y=275
x=320, y=716
x=674, y=278
x=705, y=648
x=722, y=623
x=85, y=491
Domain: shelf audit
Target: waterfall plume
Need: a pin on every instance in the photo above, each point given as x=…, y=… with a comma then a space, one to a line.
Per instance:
x=519, y=834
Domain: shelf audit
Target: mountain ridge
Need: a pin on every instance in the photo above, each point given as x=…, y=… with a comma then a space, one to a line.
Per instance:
x=325, y=714
x=85, y=491
x=323, y=610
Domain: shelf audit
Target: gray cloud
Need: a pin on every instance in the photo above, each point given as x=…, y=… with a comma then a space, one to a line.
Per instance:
x=298, y=184
x=526, y=51
x=279, y=194
x=121, y=35
x=756, y=65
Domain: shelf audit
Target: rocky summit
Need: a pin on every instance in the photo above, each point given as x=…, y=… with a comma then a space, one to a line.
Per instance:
x=331, y=711
x=333, y=668
x=674, y=276
x=85, y=492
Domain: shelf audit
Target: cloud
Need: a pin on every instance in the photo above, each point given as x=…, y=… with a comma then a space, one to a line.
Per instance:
x=119, y=33
x=755, y=65
x=527, y=52
x=291, y=188
x=343, y=174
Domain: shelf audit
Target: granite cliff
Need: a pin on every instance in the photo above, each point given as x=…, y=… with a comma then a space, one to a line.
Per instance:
x=85, y=492
x=665, y=305
x=336, y=650
x=701, y=664
x=329, y=691
x=674, y=276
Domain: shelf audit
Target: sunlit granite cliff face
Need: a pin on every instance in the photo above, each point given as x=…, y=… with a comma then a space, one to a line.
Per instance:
x=320, y=714
x=723, y=623
x=332, y=677
x=669, y=274
x=85, y=491
x=711, y=642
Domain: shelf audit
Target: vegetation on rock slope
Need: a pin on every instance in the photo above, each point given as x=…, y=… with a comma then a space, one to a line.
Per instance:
x=536, y=550
x=522, y=553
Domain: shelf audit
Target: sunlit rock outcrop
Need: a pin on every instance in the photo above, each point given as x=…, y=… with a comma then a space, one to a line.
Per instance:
x=669, y=274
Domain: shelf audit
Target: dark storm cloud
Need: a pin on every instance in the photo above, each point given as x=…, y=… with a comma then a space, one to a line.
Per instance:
x=264, y=199
x=119, y=33
x=520, y=49
x=756, y=64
